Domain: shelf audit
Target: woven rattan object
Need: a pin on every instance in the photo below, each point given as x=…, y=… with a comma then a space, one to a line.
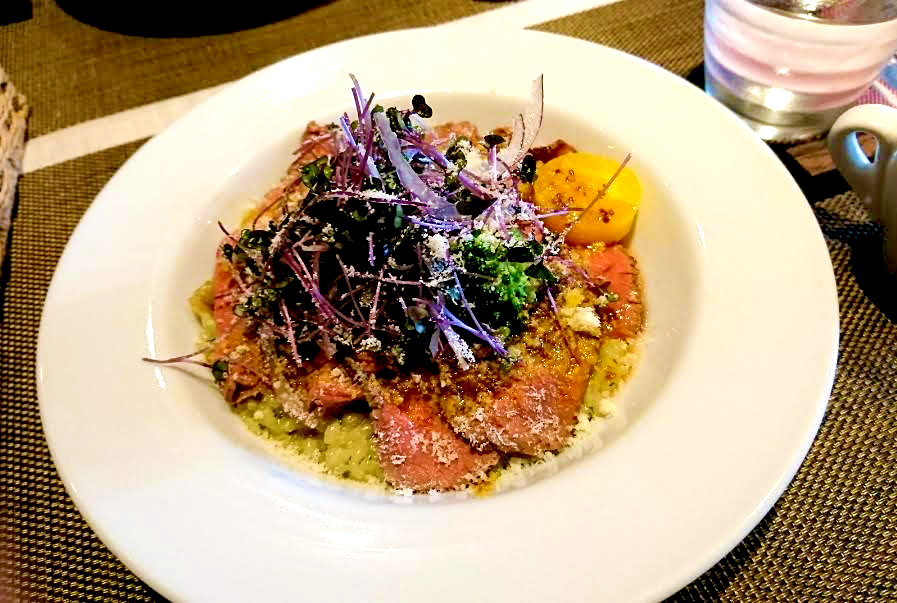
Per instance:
x=13, y=114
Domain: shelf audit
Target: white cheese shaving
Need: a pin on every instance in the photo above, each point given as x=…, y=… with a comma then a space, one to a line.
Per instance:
x=370, y=344
x=477, y=163
x=582, y=319
x=438, y=246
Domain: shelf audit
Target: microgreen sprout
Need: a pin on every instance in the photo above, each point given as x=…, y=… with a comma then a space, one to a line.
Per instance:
x=396, y=246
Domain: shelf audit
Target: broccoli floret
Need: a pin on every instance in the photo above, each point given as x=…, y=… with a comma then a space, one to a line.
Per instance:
x=515, y=287
x=501, y=300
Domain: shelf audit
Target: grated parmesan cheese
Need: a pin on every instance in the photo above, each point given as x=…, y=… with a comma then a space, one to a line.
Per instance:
x=438, y=246
x=582, y=319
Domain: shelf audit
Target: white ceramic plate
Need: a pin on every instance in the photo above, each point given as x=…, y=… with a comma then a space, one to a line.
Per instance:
x=738, y=363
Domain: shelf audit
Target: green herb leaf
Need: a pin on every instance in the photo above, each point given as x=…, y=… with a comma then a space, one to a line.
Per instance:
x=316, y=175
x=419, y=105
x=394, y=121
x=541, y=272
x=525, y=253
x=455, y=152
x=256, y=239
x=219, y=370
x=469, y=204
x=528, y=169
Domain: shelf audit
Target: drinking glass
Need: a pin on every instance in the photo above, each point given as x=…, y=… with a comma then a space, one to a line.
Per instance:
x=789, y=68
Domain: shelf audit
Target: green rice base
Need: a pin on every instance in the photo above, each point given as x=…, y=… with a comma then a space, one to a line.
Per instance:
x=344, y=447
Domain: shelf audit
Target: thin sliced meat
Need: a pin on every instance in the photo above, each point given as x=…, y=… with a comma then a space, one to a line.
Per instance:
x=531, y=412
x=317, y=141
x=244, y=376
x=330, y=387
x=617, y=268
x=443, y=134
x=234, y=343
x=550, y=151
x=368, y=362
x=418, y=450
x=224, y=290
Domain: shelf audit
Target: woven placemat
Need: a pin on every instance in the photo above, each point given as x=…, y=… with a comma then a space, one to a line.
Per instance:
x=832, y=536
x=73, y=71
x=50, y=553
x=666, y=32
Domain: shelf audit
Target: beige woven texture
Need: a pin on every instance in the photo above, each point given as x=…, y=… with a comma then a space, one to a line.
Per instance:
x=73, y=72
x=13, y=119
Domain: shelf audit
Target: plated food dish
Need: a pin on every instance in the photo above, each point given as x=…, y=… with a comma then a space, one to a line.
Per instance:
x=424, y=307
x=729, y=389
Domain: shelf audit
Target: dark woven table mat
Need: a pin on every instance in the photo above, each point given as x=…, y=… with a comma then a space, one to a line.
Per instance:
x=73, y=71
x=49, y=553
x=832, y=536
x=666, y=32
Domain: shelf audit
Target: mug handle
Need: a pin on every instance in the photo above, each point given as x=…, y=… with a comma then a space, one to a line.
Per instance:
x=865, y=177
x=872, y=180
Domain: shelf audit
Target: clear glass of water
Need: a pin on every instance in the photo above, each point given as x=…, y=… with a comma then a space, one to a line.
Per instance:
x=789, y=68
